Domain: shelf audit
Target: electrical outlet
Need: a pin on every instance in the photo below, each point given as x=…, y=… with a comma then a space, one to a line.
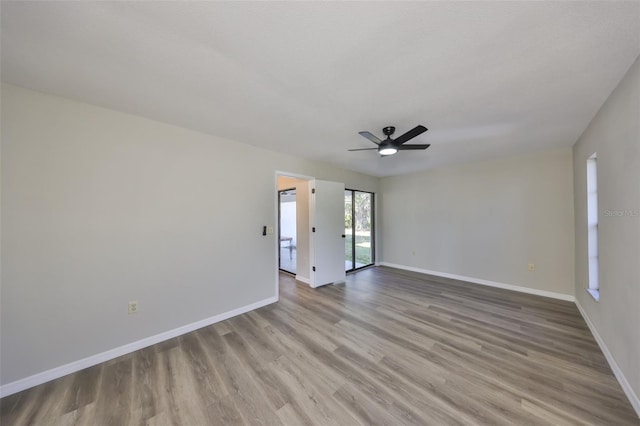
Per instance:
x=532, y=267
x=133, y=307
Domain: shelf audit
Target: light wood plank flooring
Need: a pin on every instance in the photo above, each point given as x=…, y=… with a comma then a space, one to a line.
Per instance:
x=388, y=347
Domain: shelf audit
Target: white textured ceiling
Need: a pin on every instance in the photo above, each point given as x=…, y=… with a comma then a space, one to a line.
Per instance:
x=488, y=79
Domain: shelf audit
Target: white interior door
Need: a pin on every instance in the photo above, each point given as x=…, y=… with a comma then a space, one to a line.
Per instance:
x=327, y=239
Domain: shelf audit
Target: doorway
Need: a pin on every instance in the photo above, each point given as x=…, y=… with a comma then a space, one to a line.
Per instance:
x=358, y=229
x=293, y=256
x=315, y=253
x=287, y=230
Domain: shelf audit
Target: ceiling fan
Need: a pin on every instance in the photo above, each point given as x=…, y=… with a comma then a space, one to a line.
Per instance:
x=391, y=146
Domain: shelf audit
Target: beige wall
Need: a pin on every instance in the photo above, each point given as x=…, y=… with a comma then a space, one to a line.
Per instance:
x=614, y=133
x=101, y=207
x=286, y=182
x=486, y=220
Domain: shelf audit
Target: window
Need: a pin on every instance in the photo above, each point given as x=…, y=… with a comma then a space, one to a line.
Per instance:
x=592, y=224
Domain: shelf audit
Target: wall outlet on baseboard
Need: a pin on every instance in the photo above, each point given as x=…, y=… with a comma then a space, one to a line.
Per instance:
x=532, y=267
x=133, y=307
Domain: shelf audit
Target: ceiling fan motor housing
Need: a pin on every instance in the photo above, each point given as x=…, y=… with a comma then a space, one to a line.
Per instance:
x=388, y=131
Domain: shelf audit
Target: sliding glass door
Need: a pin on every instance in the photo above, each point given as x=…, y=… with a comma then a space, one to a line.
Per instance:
x=358, y=229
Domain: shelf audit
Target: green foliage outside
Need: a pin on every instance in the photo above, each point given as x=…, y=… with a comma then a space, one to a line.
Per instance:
x=362, y=211
x=363, y=254
x=361, y=215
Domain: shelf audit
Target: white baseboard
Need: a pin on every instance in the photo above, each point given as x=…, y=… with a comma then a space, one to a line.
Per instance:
x=72, y=367
x=626, y=387
x=521, y=289
x=303, y=279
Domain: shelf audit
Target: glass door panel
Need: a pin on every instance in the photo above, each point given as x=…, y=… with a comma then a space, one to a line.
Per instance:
x=362, y=236
x=359, y=226
x=348, y=230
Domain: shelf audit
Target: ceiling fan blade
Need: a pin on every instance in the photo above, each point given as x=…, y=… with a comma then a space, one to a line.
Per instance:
x=373, y=138
x=363, y=149
x=412, y=147
x=409, y=135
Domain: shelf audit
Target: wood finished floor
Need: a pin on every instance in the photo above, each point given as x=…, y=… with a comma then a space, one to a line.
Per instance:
x=388, y=347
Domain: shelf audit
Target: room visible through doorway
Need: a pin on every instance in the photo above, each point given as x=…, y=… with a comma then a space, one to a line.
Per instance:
x=287, y=228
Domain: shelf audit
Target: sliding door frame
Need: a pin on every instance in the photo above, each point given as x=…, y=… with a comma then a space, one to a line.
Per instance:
x=353, y=229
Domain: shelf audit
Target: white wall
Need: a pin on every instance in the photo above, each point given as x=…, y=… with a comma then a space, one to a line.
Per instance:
x=101, y=207
x=614, y=133
x=486, y=220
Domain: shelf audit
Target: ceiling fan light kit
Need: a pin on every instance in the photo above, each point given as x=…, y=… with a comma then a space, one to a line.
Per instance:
x=391, y=146
x=387, y=150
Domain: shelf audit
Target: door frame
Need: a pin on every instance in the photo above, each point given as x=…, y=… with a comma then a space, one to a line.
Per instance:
x=353, y=230
x=276, y=243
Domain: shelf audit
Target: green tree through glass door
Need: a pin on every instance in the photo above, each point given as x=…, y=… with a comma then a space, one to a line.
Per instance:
x=358, y=229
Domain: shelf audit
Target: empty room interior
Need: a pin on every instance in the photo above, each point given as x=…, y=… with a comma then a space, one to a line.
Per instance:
x=345, y=213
